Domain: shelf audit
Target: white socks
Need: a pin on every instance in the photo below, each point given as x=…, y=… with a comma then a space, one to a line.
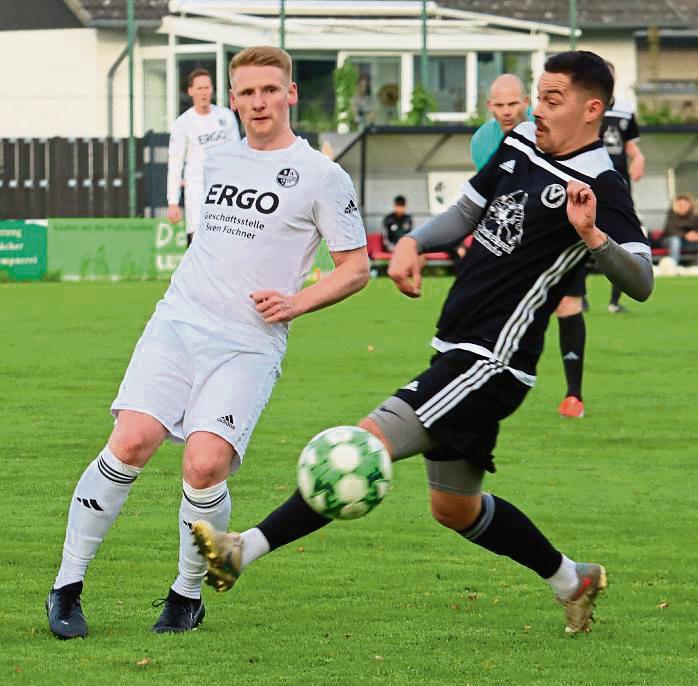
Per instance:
x=213, y=505
x=98, y=499
x=565, y=581
x=254, y=545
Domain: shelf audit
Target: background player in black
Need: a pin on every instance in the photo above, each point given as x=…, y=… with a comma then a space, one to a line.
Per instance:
x=620, y=133
x=396, y=224
x=547, y=197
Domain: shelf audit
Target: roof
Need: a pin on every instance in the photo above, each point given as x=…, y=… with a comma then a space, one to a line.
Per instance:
x=24, y=15
x=114, y=11
x=591, y=14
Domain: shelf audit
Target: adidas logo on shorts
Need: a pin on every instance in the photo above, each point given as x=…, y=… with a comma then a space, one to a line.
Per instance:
x=227, y=420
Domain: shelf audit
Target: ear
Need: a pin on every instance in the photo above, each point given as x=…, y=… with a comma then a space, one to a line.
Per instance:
x=190, y=92
x=594, y=110
x=292, y=93
x=233, y=105
x=489, y=105
x=527, y=100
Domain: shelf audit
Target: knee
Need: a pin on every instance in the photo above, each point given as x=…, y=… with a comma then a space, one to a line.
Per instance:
x=569, y=306
x=203, y=471
x=367, y=424
x=456, y=512
x=207, y=462
x=134, y=448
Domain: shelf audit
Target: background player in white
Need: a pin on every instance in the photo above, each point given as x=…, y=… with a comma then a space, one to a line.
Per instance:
x=202, y=127
x=206, y=363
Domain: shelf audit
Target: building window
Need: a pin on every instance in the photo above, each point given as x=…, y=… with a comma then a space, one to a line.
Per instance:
x=316, y=105
x=447, y=81
x=155, y=96
x=490, y=65
x=377, y=99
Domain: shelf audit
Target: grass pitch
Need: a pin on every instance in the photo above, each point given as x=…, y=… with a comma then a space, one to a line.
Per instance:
x=392, y=598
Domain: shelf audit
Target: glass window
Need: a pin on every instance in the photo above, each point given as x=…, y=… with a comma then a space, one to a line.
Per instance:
x=491, y=64
x=377, y=99
x=155, y=95
x=446, y=81
x=316, y=104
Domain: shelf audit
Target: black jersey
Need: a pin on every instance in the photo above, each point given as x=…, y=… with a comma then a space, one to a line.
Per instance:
x=394, y=228
x=618, y=128
x=525, y=250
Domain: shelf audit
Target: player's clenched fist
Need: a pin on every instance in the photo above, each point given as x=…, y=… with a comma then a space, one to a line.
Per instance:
x=581, y=207
x=274, y=306
x=406, y=267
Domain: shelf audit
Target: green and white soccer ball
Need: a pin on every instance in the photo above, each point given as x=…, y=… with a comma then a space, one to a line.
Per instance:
x=344, y=472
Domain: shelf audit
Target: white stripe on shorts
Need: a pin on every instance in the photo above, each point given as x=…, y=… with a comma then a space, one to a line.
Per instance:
x=476, y=377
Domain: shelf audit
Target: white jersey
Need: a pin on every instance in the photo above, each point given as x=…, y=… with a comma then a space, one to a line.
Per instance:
x=192, y=136
x=262, y=219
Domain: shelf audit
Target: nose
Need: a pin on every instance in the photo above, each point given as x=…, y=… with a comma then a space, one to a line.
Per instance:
x=258, y=102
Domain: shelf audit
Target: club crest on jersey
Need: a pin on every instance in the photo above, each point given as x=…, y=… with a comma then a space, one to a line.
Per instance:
x=613, y=141
x=221, y=121
x=553, y=195
x=501, y=229
x=623, y=123
x=287, y=178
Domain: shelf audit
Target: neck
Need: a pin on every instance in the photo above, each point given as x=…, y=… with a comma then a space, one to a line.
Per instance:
x=202, y=109
x=283, y=139
x=577, y=143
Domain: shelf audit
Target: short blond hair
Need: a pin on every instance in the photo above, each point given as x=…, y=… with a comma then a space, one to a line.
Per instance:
x=262, y=56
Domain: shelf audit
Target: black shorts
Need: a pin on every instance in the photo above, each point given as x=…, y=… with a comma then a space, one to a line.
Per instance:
x=577, y=286
x=460, y=401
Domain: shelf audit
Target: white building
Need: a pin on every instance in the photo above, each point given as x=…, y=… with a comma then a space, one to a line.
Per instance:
x=63, y=72
x=71, y=80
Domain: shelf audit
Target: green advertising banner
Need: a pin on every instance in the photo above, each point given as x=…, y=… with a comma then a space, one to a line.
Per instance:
x=114, y=249
x=23, y=249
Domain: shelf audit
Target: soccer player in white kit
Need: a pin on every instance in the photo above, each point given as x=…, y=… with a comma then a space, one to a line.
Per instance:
x=194, y=133
x=207, y=361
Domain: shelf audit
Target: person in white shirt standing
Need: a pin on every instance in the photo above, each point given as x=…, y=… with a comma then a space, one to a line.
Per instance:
x=194, y=133
x=208, y=359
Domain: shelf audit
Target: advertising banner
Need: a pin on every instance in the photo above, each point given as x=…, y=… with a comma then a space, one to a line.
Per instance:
x=23, y=249
x=114, y=249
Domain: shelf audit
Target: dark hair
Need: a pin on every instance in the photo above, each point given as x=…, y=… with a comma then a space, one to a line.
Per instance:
x=585, y=69
x=195, y=73
x=400, y=200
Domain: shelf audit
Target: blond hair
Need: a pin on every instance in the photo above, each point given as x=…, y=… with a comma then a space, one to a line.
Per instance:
x=262, y=56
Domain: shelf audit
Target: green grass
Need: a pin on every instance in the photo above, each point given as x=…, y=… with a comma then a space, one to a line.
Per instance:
x=393, y=598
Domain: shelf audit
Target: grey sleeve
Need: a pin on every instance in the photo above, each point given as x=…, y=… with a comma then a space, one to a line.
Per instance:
x=449, y=228
x=630, y=272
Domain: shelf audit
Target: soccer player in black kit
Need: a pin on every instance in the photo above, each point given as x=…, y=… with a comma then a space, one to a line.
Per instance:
x=620, y=134
x=546, y=198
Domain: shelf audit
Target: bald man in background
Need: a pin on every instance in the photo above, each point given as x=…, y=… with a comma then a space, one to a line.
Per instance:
x=509, y=104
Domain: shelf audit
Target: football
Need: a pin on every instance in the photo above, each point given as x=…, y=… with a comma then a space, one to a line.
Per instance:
x=344, y=472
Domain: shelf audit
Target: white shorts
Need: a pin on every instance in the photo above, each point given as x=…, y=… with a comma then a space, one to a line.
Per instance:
x=191, y=381
x=193, y=199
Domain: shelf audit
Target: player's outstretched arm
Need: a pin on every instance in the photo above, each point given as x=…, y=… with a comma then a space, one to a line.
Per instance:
x=441, y=232
x=350, y=275
x=631, y=273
